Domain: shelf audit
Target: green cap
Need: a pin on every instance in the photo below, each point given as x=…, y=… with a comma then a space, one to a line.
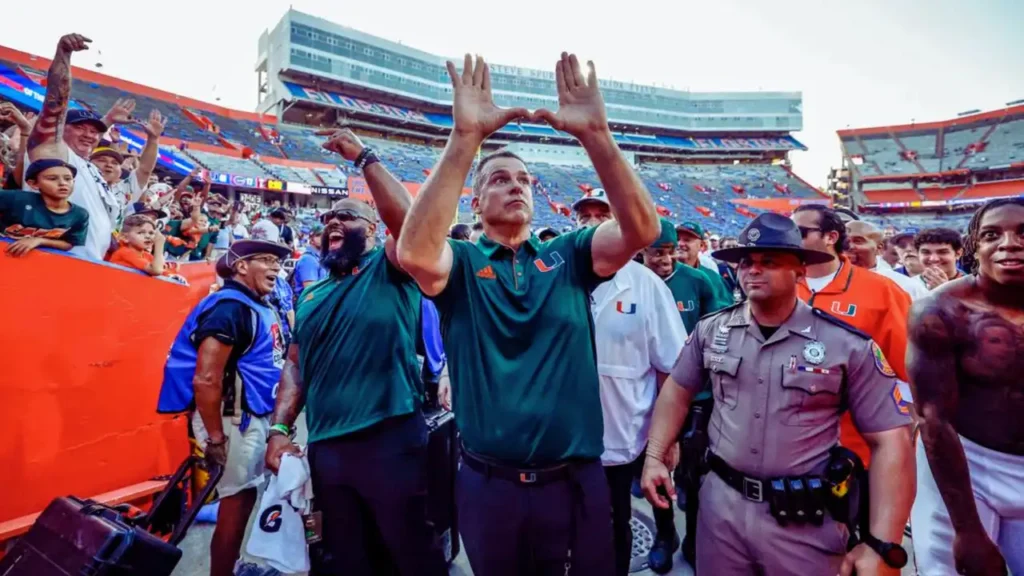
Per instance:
x=692, y=228
x=668, y=236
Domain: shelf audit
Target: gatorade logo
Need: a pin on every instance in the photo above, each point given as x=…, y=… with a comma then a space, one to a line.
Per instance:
x=270, y=520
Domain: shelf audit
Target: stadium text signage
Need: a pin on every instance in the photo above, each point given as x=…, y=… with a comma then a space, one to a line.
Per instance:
x=238, y=181
x=329, y=191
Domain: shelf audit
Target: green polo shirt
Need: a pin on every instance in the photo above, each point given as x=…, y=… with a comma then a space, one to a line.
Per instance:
x=722, y=293
x=357, y=347
x=519, y=337
x=693, y=294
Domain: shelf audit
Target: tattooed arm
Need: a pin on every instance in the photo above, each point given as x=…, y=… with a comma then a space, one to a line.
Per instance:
x=47, y=137
x=931, y=365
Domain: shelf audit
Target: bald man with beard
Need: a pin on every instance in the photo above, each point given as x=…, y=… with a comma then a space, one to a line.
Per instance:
x=866, y=245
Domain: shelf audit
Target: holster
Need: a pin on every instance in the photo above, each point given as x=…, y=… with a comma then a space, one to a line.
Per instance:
x=848, y=496
x=694, y=444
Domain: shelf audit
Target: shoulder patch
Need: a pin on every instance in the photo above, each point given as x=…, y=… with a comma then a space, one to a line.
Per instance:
x=880, y=362
x=717, y=312
x=833, y=320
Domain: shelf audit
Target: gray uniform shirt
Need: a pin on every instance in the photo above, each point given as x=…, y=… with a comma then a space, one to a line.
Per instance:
x=778, y=401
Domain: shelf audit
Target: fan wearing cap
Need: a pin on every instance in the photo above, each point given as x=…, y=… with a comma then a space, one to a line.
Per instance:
x=308, y=269
x=353, y=366
x=694, y=298
x=637, y=337
x=43, y=217
x=71, y=136
x=279, y=217
x=691, y=253
x=109, y=160
x=223, y=368
x=782, y=373
x=867, y=301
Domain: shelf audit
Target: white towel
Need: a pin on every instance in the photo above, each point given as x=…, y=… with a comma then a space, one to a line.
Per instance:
x=279, y=536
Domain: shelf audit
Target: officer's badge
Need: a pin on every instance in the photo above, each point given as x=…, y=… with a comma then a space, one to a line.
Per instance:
x=814, y=352
x=880, y=362
x=753, y=234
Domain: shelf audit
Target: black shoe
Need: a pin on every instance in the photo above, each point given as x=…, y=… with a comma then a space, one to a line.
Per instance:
x=659, y=559
x=689, y=550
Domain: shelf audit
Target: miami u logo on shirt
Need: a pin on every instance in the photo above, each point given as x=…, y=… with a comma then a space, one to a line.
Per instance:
x=554, y=260
x=849, y=310
x=688, y=307
x=622, y=308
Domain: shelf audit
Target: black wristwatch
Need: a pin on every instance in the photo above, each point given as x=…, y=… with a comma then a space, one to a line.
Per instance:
x=893, y=555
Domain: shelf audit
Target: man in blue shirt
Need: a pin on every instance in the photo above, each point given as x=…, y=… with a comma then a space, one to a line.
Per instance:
x=308, y=269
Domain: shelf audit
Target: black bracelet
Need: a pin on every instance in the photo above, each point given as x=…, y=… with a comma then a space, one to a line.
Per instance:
x=365, y=158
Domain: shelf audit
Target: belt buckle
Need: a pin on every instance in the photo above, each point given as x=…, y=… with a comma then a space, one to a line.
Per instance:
x=753, y=490
x=527, y=477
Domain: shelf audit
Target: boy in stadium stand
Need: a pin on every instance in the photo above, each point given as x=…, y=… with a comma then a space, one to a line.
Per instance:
x=910, y=264
x=637, y=339
x=44, y=219
x=223, y=367
x=519, y=332
x=691, y=253
x=939, y=250
x=867, y=301
x=353, y=366
x=141, y=246
x=71, y=136
x=966, y=361
x=865, y=245
x=694, y=298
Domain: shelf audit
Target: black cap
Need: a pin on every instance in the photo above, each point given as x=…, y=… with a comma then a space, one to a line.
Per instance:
x=243, y=249
x=43, y=164
x=141, y=208
x=81, y=115
x=771, y=232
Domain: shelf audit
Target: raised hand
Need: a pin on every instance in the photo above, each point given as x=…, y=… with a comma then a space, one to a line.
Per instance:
x=10, y=113
x=121, y=112
x=342, y=141
x=473, y=107
x=580, y=105
x=155, y=126
x=72, y=43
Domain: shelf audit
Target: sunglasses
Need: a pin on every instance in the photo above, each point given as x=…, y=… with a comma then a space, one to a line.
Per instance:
x=266, y=260
x=344, y=215
x=806, y=230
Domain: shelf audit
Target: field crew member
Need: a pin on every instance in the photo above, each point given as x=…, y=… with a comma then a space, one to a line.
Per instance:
x=519, y=335
x=353, y=366
x=224, y=366
x=637, y=338
x=869, y=302
x=781, y=373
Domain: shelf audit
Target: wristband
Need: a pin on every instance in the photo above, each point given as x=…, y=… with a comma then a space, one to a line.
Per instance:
x=365, y=158
x=282, y=429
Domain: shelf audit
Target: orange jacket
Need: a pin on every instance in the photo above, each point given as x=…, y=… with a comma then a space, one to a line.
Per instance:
x=874, y=305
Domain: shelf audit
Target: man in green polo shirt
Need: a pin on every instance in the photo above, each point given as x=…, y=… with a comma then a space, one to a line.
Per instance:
x=353, y=366
x=518, y=332
x=691, y=244
x=695, y=297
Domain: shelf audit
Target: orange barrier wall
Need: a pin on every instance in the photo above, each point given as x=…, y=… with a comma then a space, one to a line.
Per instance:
x=82, y=357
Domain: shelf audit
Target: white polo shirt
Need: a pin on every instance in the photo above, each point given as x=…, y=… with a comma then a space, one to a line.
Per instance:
x=638, y=331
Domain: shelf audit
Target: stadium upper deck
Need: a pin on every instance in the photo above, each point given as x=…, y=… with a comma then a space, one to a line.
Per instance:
x=301, y=45
x=943, y=163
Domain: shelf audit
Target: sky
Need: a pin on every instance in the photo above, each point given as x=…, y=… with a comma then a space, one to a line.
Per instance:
x=857, y=63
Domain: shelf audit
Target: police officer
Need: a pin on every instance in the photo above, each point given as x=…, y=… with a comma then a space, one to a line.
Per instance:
x=353, y=366
x=223, y=366
x=518, y=331
x=781, y=374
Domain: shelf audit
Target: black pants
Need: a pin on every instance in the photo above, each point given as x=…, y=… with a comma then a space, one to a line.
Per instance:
x=620, y=480
x=371, y=489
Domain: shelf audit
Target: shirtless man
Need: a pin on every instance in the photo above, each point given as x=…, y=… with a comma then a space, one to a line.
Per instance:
x=965, y=361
